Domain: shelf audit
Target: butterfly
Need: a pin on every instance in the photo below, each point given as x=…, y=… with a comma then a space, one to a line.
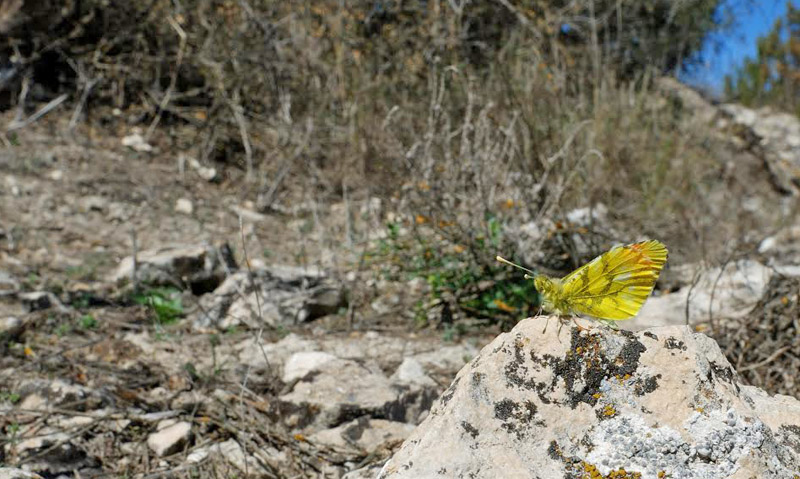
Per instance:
x=611, y=287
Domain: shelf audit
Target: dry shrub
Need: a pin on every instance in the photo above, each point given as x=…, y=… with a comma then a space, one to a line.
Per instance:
x=764, y=346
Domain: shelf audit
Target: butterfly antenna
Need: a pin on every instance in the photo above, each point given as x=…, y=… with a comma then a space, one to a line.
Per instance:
x=503, y=260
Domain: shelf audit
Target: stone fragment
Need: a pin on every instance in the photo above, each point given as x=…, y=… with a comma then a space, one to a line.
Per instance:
x=238, y=457
x=137, y=142
x=171, y=437
x=184, y=206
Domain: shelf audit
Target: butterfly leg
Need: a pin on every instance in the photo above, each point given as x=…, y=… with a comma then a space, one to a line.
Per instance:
x=562, y=320
x=578, y=325
x=546, y=321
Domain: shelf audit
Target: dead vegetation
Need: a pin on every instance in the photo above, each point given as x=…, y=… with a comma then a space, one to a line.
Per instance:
x=764, y=346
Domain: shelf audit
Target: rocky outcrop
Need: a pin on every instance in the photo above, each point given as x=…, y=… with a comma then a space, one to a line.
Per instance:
x=775, y=137
x=602, y=403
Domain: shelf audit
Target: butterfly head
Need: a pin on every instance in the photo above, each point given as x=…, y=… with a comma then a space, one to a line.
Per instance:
x=548, y=288
x=543, y=284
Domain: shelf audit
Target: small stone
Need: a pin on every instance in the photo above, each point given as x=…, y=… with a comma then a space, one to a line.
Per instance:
x=235, y=455
x=136, y=142
x=197, y=456
x=184, y=206
x=170, y=439
x=56, y=175
x=767, y=244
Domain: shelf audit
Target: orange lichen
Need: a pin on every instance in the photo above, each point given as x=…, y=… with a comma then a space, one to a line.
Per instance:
x=609, y=411
x=590, y=472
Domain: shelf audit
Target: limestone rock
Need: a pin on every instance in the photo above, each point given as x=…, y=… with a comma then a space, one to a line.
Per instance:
x=11, y=327
x=184, y=206
x=12, y=473
x=364, y=435
x=202, y=267
x=776, y=137
x=136, y=142
x=702, y=110
x=170, y=437
x=9, y=286
x=338, y=391
x=565, y=403
x=41, y=300
x=302, y=363
x=239, y=458
x=411, y=371
x=52, y=454
x=783, y=250
x=41, y=394
x=276, y=295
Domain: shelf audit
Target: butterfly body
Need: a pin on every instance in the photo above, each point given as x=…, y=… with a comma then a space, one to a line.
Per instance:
x=613, y=286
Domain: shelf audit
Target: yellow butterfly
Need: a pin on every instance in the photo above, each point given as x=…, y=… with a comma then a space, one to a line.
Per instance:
x=613, y=286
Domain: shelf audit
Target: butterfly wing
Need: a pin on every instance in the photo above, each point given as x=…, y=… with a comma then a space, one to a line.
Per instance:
x=616, y=284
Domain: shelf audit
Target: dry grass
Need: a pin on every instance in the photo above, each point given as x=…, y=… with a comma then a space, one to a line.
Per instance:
x=764, y=346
